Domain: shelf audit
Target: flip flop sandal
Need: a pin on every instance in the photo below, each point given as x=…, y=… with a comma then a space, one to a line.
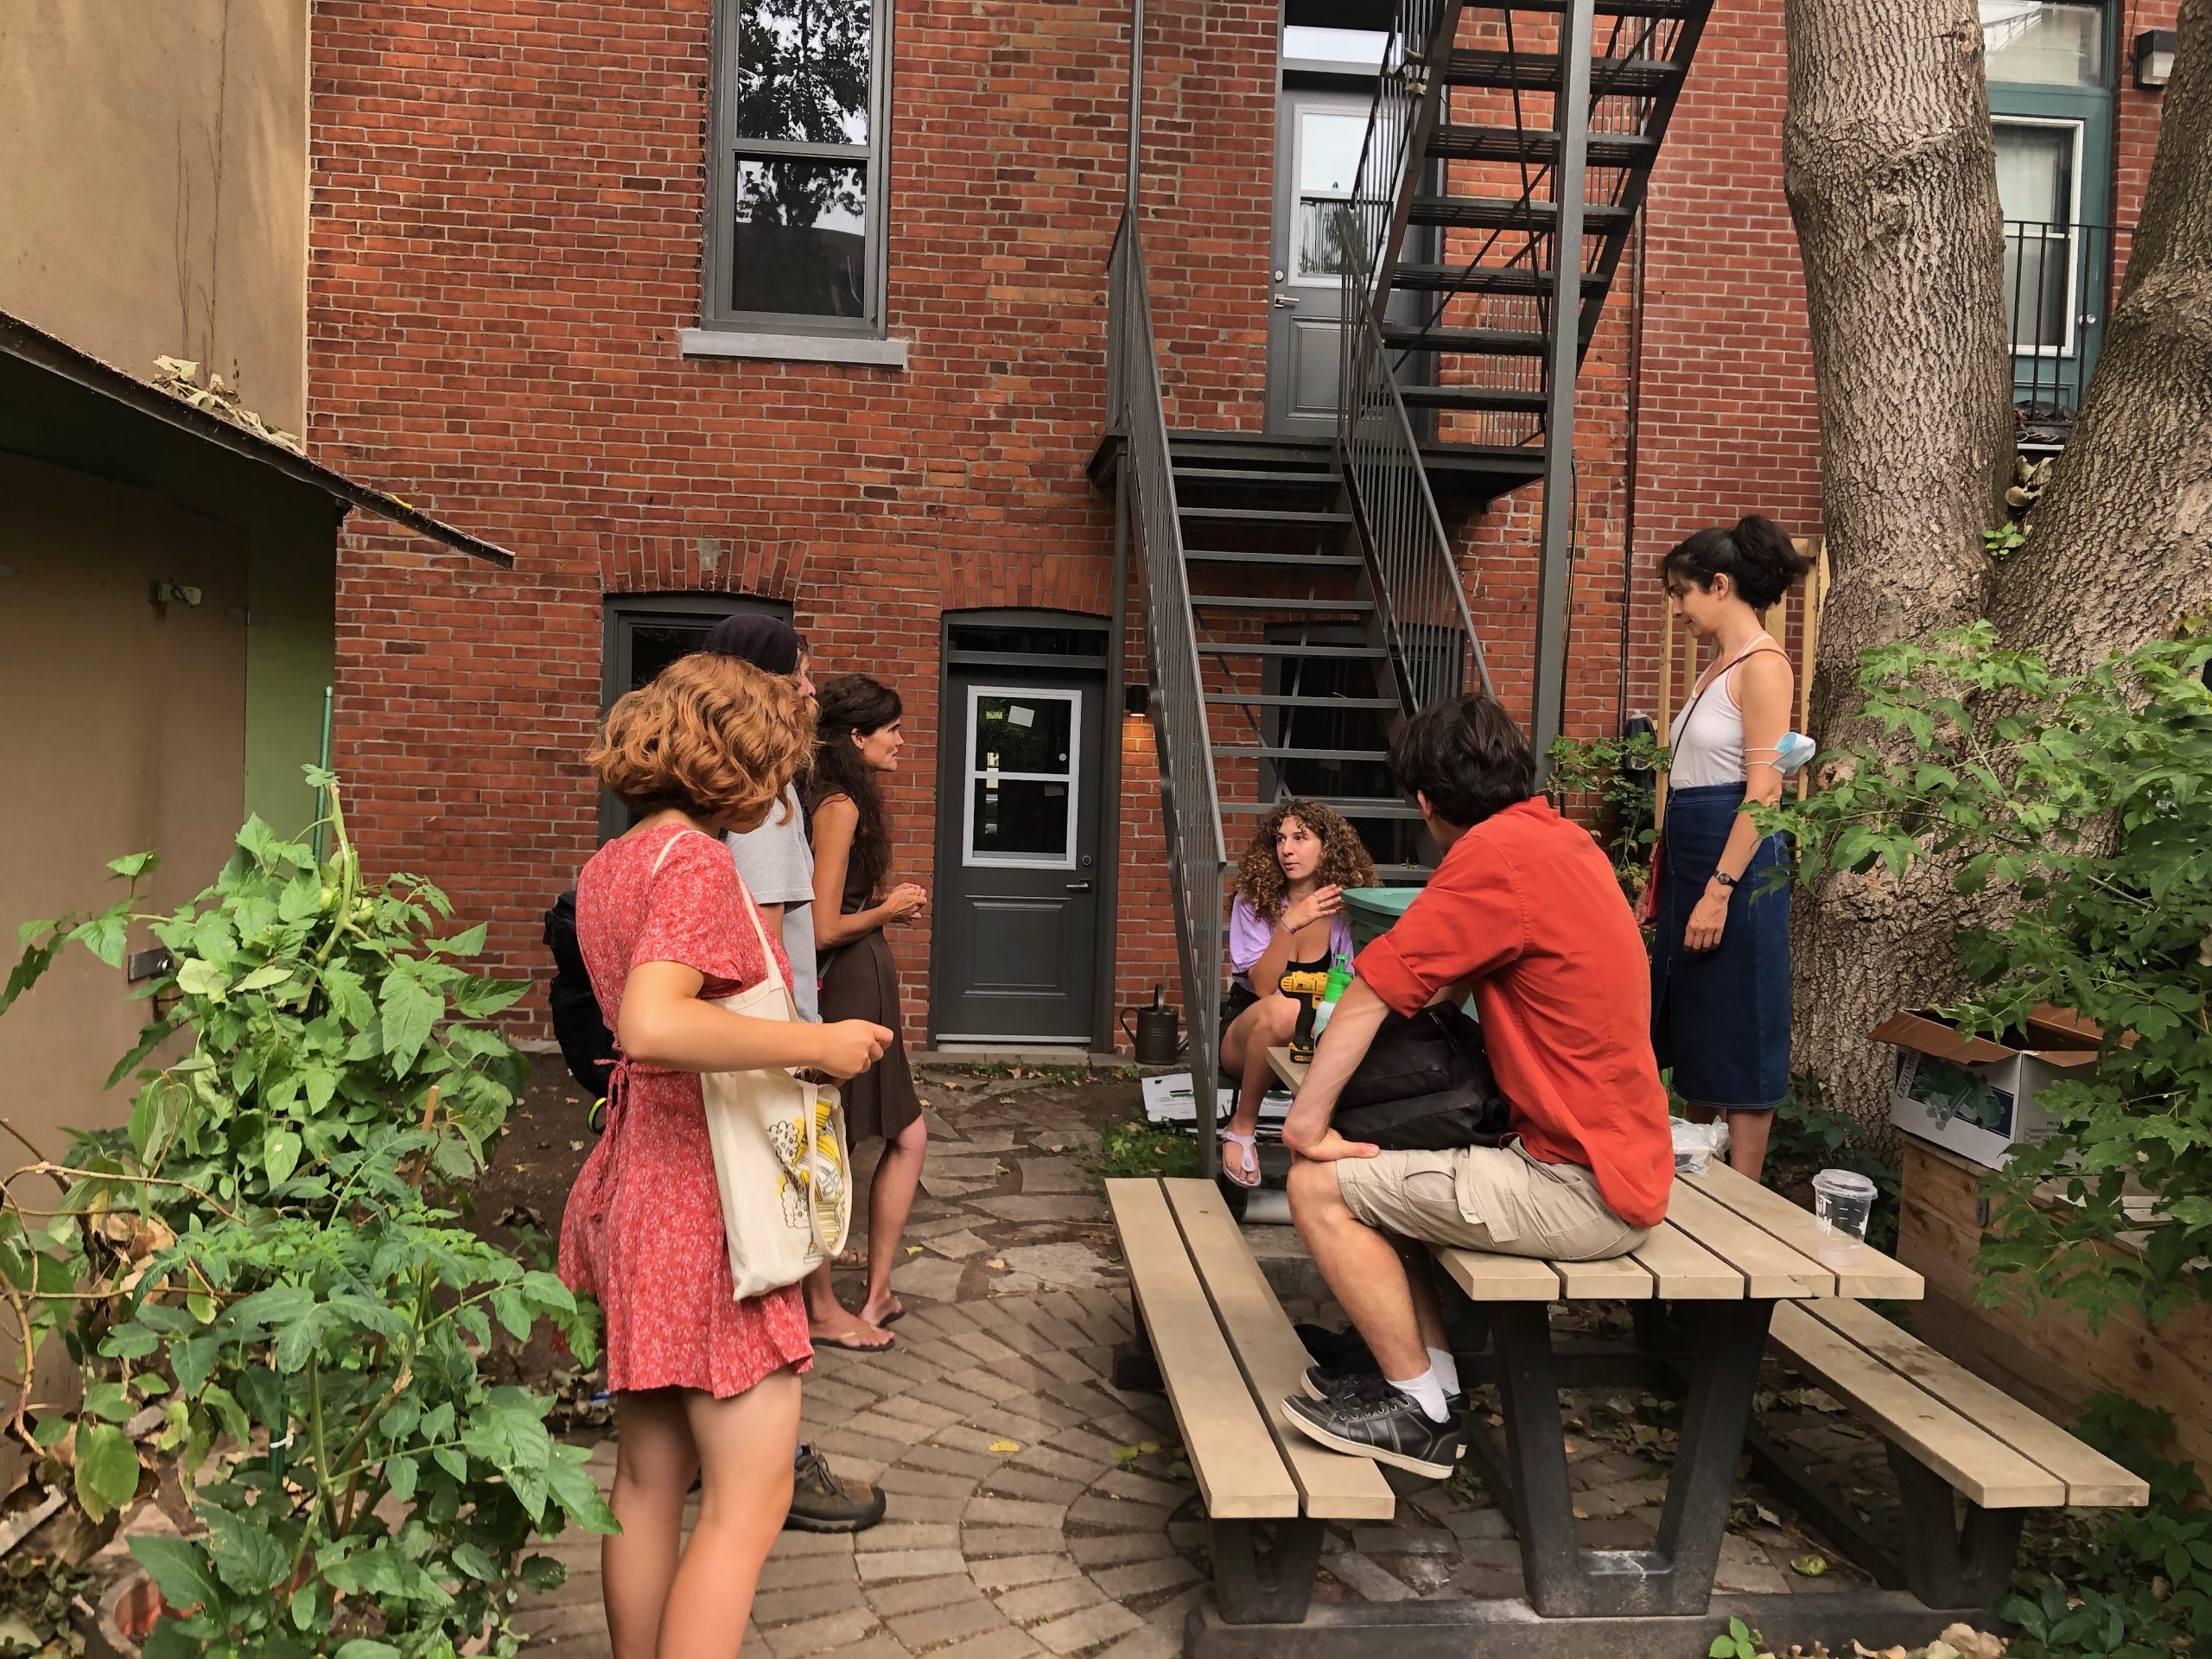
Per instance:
x=892, y=1318
x=1251, y=1144
x=851, y=1347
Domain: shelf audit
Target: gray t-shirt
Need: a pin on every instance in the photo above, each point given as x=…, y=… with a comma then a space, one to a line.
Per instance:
x=778, y=865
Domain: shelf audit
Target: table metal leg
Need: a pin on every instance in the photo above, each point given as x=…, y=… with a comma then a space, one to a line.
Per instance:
x=1260, y=1581
x=1529, y=1473
x=1947, y=1564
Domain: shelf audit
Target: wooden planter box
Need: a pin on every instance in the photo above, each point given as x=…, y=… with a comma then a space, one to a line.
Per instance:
x=2050, y=1360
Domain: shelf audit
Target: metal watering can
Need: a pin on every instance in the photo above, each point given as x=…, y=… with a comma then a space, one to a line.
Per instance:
x=1156, y=1038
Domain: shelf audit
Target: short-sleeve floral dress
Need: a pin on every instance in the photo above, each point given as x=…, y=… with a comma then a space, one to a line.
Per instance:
x=642, y=1230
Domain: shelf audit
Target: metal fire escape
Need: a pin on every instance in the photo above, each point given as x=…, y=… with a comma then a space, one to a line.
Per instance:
x=1301, y=601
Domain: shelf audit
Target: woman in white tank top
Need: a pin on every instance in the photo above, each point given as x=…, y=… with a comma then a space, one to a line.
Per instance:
x=1720, y=954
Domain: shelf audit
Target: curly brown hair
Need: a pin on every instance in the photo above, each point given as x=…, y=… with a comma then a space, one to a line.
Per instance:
x=1345, y=862
x=710, y=735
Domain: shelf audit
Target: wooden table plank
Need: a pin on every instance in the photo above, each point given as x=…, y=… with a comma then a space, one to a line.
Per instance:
x=1861, y=1270
x=1683, y=1270
x=1617, y=1279
x=1769, y=1267
x=1291, y=1073
x=1976, y=1462
x=1485, y=1276
x=2093, y=1480
x=1336, y=1487
x=1226, y=1436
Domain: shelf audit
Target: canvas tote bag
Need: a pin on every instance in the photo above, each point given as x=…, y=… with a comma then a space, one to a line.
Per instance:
x=779, y=1142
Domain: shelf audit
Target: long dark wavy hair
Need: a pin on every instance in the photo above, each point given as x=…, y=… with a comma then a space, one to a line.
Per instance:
x=850, y=705
x=1344, y=861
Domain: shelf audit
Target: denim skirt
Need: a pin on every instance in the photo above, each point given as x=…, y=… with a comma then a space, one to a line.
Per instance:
x=1720, y=1018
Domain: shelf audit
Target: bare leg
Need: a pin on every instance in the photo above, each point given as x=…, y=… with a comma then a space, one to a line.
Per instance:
x=654, y=1462
x=1747, y=1133
x=1420, y=1279
x=829, y=1320
x=746, y=1447
x=1361, y=1269
x=890, y=1197
x=1267, y=1024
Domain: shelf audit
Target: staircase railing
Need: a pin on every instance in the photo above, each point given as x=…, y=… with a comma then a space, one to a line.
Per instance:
x=1419, y=601
x=1190, y=799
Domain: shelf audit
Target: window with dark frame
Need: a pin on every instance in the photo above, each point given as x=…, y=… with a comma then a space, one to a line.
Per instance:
x=795, y=237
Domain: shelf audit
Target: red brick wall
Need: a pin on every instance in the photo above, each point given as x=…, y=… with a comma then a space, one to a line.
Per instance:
x=505, y=239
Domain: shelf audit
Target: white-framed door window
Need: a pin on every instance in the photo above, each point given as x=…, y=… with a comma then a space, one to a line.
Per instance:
x=1022, y=778
x=1327, y=146
x=2039, y=189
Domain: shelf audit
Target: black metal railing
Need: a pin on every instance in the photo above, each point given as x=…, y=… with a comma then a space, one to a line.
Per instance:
x=2057, y=278
x=1406, y=94
x=1190, y=798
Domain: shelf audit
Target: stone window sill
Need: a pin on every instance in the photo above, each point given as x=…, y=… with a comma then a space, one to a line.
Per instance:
x=794, y=348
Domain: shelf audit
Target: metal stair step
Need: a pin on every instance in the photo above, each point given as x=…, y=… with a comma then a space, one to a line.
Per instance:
x=1226, y=476
x=1501, y=398
x=1511, y=214
x=1538, y=146
x=1349, y=806
x=1483, y=279
x=1269, y=752
x=1249, y=602
x=1540, y=71
x=1610, y=7
x=1403, y=875
x=1263, y=516
x=1299, y=561
x=1488, y=342
x=1348, y=653
x=1309, y=700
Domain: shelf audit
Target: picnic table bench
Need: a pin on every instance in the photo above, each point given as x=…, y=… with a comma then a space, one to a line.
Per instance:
x=1734, y=1266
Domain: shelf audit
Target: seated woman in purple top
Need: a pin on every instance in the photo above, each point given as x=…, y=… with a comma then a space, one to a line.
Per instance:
x=1288, y=916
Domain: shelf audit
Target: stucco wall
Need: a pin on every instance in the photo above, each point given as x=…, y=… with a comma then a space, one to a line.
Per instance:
x=153, y=184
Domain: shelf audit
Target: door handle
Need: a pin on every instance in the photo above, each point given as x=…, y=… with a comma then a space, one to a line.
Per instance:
x=1079, y=886
x=1284, y=301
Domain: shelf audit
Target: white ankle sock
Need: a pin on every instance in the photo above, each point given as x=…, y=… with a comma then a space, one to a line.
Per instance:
x=1446, y=1369
x=1426, y=1392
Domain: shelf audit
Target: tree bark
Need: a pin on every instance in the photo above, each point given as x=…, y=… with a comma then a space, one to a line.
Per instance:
x=1890, y=169
x=2120, y=548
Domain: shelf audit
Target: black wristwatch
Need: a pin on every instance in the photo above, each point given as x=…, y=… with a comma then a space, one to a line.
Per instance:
x=1724, y=878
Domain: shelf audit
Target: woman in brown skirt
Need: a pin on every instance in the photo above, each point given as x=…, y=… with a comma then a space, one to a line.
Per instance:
x=857, y=739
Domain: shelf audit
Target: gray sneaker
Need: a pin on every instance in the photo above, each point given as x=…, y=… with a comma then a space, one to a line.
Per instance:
x=1385, y=1426
x=822, y=1502
x=1321, y=1383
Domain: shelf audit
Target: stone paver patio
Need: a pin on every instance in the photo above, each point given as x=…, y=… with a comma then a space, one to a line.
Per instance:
x=1035, y=1509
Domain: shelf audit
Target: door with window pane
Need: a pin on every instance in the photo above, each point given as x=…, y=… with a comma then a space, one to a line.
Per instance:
x=1017, y=886
x=2049, y=67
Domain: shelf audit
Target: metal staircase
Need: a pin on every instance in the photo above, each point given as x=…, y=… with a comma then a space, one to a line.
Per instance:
x=1301, y=601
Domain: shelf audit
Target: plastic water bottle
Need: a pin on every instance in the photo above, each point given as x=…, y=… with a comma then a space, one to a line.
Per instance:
x=1339, y=977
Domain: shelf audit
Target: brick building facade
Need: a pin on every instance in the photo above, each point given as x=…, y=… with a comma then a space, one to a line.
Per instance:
x=509, y=239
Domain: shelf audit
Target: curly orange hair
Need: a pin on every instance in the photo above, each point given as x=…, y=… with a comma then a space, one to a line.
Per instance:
x=711, y=736
x=1345, y=862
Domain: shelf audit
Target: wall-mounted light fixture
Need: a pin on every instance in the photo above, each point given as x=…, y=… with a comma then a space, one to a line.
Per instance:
x=1136, y=700
x=2154, y=58
x=164, y=593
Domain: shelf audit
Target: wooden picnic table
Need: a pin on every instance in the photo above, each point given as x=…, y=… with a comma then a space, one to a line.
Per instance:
x=1731, y=1261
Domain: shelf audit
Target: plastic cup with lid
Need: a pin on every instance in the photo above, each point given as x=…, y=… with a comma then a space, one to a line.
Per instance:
x=1842, y=1202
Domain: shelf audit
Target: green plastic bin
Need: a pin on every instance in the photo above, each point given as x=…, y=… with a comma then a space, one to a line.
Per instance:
x=1372, y=910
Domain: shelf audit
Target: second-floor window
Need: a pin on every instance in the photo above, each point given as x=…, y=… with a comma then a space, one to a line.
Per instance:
x=796, y=233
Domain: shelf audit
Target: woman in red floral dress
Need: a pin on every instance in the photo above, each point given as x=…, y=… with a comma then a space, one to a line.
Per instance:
x=704, y=1384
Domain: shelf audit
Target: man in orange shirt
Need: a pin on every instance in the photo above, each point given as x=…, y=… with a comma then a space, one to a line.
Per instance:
x=1523, y=910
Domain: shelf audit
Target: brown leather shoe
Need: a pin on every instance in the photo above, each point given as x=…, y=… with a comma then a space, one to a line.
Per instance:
x=821, y=1502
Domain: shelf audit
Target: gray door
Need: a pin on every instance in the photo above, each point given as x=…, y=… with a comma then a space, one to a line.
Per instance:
x=1318, y=139
x=1017, y=886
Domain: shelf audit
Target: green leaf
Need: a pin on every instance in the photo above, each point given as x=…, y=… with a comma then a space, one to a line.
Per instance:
x=280, y=1155
x=274, y=973
x=541, y=1573
x=410, y=1012
x=577, y=1492
x=361, y=1648
x=131, y=866
x=111, y=1400
x=180, y=1573
x=245, y=1557
x=106, y=1469
x=196, y=976
x=402, y=1473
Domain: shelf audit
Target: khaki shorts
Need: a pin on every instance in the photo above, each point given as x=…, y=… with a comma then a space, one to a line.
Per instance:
x=1486, y=1199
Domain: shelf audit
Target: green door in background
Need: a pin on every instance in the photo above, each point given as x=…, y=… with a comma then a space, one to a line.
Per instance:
x=2051, y=102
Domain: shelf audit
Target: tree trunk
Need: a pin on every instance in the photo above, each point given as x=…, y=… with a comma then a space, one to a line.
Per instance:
x=2120, y=547
x=1890, y=173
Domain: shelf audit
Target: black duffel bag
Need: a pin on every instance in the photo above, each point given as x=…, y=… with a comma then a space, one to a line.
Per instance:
x=1423, y=1085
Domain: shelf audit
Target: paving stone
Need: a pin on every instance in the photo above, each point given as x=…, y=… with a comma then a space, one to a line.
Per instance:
x=820, y=1634
x=1025, y=1483
x=1145, y=1578
x=906, y=1535
x=847, y=1443
x=1491, y=1552
x=1489, y=1583
x=1356, y=1573
x=882, y=1426
x=950, y=1460
x=1013, y=1512
x=811, y=1543
x=907, y=1564
x=989, y=1384
x=925, y=1483
x=1050, y=1175
x=1007, y=1643
x=793, y=1572
x=1125, y=1483
x=908, y=1506
x=1065, y=1263
x=812, y=1601
x=1047, y=1206
x=1479, y=1524
x=913, y=1595
x=1050, y=1599
x=1174, y=1613
x=1150, y=1642
x=1012, y=1572
x=1744, y=1569
x=1114, y=1548
x=958, y=1244
x=938, y=1625
x=927, y=1275
x=1403, y=1541
x=1009, y=1541
x=1086, y=1629
x=1118, y=1516
x=1050, y=1461
x=927, y=1410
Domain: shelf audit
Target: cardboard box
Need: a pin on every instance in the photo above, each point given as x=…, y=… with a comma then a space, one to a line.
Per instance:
x=1975, y=1096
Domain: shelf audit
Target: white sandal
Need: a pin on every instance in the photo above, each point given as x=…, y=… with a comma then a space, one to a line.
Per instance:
x=1251, y=1144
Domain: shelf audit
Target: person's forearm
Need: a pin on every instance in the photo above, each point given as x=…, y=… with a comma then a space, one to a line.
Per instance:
x=843, y=929
x=1359, y=1014
x=688, y=1035
x=1742, y=842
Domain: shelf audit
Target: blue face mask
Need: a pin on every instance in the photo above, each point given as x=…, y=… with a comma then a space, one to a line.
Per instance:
x=1793, y=751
